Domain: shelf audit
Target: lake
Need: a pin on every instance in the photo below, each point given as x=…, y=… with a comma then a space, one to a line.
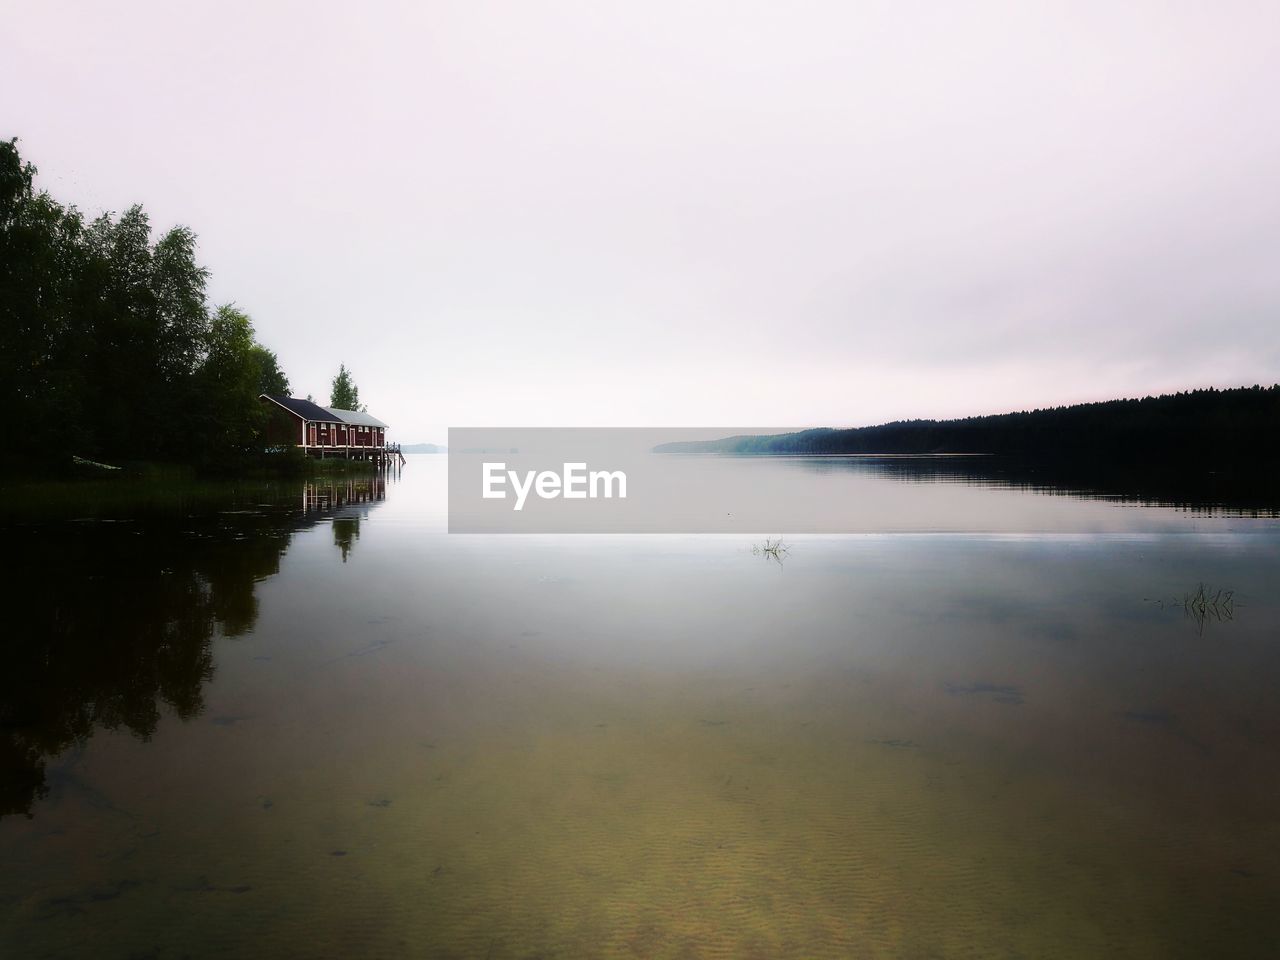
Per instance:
x=303, y=720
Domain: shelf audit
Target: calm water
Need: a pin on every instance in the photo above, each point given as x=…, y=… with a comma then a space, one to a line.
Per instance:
x=310, y=723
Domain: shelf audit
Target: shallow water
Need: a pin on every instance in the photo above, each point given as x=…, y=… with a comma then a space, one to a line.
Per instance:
x=316, y=725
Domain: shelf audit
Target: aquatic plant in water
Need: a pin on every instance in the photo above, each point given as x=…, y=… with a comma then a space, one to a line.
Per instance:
x=775, y=550
x=1205, y=604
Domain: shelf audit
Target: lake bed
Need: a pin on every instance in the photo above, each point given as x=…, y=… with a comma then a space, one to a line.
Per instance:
x=315, y=724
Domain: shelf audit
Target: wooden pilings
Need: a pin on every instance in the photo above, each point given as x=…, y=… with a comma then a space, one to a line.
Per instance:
x=386, y=455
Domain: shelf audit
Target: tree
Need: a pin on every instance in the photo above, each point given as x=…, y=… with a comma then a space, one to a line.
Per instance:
x=149, y=324
x=42, y=333
x=227, y=383
x=271, y=379
x=345, y=395
x=107, y=346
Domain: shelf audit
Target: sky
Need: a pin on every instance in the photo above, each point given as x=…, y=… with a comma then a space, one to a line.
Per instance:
x=689, y=213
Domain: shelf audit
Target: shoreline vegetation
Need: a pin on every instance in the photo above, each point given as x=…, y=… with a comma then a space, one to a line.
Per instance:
x=1235, y=425
x=111, y=355
x=1215, y=448
x=145, y=489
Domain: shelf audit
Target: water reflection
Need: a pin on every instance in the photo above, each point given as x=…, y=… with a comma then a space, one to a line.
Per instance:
x=346, y=531
x=328, y=497
x=344, y=504
x=1208, y=491
x=110, y=621
x=522, y=746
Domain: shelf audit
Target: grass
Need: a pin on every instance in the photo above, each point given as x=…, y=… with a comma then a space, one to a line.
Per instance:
x=772, y=549
x=1204, y=605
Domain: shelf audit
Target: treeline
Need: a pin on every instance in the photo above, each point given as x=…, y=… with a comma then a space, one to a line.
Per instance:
x=109, y=349
x=1237, y=426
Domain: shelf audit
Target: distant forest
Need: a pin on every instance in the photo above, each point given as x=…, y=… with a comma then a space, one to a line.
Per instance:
x=108, y=348
x=1238, y=426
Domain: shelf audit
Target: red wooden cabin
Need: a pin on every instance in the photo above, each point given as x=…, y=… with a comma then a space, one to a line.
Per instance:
x=325, y=431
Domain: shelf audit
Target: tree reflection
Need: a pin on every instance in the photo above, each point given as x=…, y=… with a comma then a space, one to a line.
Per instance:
x=109, y=622
x=1244, y=492
x=346, y=530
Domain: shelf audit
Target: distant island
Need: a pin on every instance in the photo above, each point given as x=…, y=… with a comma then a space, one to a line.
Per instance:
x=1232, y=426
x=423, y=448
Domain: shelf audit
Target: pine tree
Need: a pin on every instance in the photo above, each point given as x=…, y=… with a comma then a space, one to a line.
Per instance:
x=345, y=395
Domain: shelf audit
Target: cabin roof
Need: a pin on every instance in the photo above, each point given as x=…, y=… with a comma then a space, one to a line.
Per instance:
x=304, y=409
x=307, y=410
x=358, y=417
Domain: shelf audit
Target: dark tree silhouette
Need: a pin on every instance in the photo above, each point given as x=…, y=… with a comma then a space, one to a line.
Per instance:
x=344, y=395
x=108, y=349
x=1218, y=425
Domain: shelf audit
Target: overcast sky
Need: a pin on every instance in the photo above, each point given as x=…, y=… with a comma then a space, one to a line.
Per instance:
x=686, y=213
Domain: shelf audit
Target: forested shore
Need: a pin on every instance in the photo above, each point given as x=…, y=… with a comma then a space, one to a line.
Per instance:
x=110, y=350
x=1235, y=426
